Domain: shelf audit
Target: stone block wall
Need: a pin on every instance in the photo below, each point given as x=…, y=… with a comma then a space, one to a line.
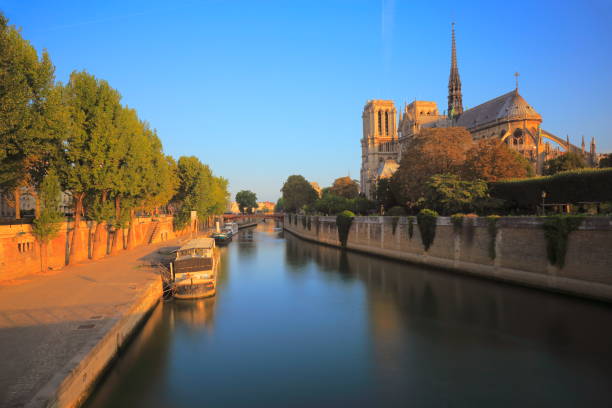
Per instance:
x=20, y=253
x=519, y=245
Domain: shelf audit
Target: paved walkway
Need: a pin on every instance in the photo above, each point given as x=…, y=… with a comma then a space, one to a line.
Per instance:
x=48, y=320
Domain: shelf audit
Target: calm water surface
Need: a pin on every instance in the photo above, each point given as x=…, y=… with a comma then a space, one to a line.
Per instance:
x=296, y=324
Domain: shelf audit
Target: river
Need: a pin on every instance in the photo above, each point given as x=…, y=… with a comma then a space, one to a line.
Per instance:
x=297, y=324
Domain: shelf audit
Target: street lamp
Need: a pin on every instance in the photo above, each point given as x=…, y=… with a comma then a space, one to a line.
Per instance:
x=543, y=201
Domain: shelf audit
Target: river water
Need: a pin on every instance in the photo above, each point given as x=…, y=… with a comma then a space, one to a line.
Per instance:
x=297, y=324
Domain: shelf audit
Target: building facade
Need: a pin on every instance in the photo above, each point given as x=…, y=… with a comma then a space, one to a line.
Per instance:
x=508, y=117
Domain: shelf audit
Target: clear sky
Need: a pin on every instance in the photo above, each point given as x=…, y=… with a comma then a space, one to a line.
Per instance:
x=260, y=90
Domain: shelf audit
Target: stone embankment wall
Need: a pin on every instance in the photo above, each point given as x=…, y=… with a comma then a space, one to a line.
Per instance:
x=514, y=251
x=20, y=253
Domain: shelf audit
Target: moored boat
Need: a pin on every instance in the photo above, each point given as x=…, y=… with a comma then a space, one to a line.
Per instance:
x=194, y=270
x=221, y=238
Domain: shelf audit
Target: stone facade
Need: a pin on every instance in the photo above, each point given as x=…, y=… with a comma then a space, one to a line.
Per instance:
x=508, y=117
x=379, y=145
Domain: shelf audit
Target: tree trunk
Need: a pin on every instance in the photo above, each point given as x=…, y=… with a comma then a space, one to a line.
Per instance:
x=99, y=249
x=115, y=240
x=76, y=239
x=17, y=195
x=130, y=238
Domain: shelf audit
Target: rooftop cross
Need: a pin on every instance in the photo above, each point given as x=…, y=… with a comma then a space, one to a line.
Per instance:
x=516, y=75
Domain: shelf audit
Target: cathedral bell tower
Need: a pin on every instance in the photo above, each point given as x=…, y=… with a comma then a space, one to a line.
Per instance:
x=379, y=141
x=455, y=103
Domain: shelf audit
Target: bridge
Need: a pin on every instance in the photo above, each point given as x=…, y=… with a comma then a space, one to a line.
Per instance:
x=254, y=217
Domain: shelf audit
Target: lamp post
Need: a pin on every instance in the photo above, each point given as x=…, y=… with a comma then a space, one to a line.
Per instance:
x=543, y=202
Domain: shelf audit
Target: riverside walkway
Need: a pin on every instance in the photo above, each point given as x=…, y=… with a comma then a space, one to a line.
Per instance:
x=50, y=323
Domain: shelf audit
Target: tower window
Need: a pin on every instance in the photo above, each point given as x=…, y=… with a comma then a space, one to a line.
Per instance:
x=387, y=122
x=379, y=122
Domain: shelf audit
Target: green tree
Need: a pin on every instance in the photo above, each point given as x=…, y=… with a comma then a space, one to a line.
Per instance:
x=345, y=187
x=384, y=194
x=88, y=161
x=433, y=151
x=331, y=204
x=31, y=116
x=567, y=161
x=246, y=199
x=48, y=222
x=297, y=193
x=448, y=194
x=280, y=205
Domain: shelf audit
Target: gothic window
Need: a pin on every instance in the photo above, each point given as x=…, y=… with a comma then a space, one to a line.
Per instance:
x=379, y=122
x=517, y=137
x=387, y=122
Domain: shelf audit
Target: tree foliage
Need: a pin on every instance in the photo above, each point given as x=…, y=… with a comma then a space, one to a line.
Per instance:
x=565, y=162
x=100, y=151
x=31, y=110
x=247, y=200
x=46, y=226
x=384, y=194
x=492, y=160
x=433, y=151
x=448, y=194
x=199, y=190
x=345, y=187
x=297, y=193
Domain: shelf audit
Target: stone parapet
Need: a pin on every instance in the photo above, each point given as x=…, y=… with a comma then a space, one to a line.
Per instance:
x=516, y=253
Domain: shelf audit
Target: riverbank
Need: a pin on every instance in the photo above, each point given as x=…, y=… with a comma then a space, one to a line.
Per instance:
x=59, y=331
x=514, y=251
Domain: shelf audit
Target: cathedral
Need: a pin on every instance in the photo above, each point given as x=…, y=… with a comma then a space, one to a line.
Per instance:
x=508, y=117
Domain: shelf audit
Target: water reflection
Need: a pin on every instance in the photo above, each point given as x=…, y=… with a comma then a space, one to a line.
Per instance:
x=300, y=324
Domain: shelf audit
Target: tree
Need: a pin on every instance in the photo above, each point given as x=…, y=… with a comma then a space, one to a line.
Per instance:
x=89, y=159
x=47, y=224
x=331, y=204
x=567, y=161
x=433, y=151
x=606, y=161
x=384, y=194
x=345, y=187
x=246, y=199
x=492, y=160
x=31, y=114
x=448, y=194
x=280, y=206
x=297, y=193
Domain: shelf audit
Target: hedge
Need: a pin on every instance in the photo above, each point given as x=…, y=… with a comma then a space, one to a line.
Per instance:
x=571, y=187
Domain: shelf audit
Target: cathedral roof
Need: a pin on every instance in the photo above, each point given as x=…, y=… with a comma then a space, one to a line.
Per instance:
x=386, y=169
x=504, y=107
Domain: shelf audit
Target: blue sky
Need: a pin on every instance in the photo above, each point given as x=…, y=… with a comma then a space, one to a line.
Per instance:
x=260, y=90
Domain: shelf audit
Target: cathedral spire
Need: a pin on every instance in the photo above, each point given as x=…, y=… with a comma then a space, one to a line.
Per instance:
x=455, y=104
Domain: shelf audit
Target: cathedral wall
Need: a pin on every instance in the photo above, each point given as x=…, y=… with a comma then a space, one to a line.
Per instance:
x=520, y=250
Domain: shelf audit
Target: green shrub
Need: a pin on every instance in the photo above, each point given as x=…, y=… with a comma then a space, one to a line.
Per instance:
x=427, y=226
x=344, y=221
x=557, y=230
x=585, y=185
x=492, y=229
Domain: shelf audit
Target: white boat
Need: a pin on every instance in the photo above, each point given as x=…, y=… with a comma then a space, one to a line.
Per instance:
x=194, y=270
x=230, y=228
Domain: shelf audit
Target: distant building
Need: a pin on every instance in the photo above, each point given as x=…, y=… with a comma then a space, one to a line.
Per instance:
x=265, y=206
x=508, y=117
